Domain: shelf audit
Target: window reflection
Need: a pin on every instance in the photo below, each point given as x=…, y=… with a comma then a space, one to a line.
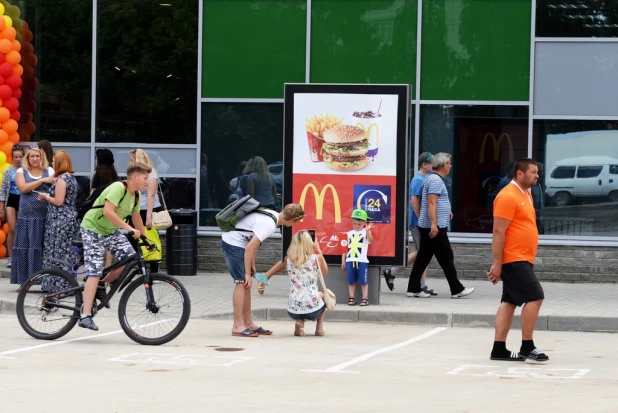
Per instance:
x=576, y=18
x=484, y=142
x=178, y=192
x=234, y=136
x=147, y=71
x=581, y=186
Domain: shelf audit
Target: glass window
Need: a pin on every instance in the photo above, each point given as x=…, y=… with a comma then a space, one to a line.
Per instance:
x=484, y=141
x=363, y=41
x=178, y=192
x=575, y=79
x=80, y=157
x=56, y=49
x=167, y=161
x=251, y=48
x=576, y=18
x=581, y=205
x=563, y=172
x=232, y=134
x=147, y=71
x=471, y=51
x=589, y=171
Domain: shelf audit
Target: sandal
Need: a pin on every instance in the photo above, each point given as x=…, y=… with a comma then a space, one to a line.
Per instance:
x=351, y=301
x=364, y=302
x=299, y=329
x=260, y=288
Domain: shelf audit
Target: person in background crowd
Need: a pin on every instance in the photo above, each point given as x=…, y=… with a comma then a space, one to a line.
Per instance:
x=245, y=176
x=149, y=196
x=433, y=223
x=34, y=175
x=46, y=147
x=104, y=172
x=416, y=191
x=235, y=182
x=514, y=245
x=9, y=198
x=303, y=261
x=261, y=184
x=508, y=175
x=538, y=197
x=61, y=224
x=218, y=187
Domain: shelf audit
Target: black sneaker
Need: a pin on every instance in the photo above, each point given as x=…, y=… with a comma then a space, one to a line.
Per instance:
x=428, y=291
x=534, y=354
x=101, y=294
x=86, y=322
x=389, y=278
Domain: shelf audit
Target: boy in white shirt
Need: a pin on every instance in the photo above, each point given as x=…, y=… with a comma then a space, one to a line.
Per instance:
x=358, y=243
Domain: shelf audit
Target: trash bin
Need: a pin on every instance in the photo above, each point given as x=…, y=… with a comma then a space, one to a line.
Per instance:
x=181, y=243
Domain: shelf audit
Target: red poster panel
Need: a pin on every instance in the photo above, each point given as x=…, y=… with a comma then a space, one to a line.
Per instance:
x=345, y=149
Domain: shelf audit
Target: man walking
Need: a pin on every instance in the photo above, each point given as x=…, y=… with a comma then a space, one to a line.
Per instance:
x=433, y=222
x=514, y=245
x=240, y=250
x=416, y=191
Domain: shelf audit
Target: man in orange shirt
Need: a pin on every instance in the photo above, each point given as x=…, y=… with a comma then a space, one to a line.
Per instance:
x=514, y=244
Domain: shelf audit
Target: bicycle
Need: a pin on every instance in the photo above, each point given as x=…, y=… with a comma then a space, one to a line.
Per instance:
x=59, y=309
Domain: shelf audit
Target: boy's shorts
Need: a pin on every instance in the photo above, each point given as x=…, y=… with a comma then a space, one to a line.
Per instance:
x=95, y=246
x=235, y=260
x=357, y=272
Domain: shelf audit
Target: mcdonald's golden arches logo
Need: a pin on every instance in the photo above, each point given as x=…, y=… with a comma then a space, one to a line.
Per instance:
x=497, y=145
x=319, y=200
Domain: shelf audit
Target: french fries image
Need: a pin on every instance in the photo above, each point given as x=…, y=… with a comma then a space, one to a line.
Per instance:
x=318, y=124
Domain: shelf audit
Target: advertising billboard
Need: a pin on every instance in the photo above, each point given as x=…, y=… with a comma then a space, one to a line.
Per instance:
x=345, y=149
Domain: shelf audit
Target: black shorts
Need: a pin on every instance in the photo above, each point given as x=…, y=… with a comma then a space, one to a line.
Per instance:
x=520, y=284
x=13, y=202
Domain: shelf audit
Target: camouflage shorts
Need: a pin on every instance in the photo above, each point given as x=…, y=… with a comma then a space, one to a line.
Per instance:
x=95, y=246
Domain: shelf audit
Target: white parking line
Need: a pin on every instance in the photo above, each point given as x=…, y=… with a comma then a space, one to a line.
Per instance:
x=339, y=367
x=57, y=343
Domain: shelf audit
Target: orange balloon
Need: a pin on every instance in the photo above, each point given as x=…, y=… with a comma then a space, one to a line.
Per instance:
x=14, y=137
x=4, y=137
x=18, y=70
x=8, y=33
x=2, y=247
x=6, y=46
x=4, y=115
x=16, y=45
x=2, y=239
x=10, y=126
x=5, y=228
x=13, y=57
x=6, y=147
x=2, y=25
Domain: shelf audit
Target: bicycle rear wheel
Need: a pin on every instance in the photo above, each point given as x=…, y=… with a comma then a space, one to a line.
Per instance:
x=158, y=325
x=37, y=311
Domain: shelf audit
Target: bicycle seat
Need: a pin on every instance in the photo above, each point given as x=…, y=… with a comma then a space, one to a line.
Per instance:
x=78, y=243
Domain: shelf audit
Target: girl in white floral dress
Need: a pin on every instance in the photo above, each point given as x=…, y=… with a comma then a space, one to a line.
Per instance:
x=302, y=261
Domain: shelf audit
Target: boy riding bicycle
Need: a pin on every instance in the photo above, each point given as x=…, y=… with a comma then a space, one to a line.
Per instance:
x=100, y=232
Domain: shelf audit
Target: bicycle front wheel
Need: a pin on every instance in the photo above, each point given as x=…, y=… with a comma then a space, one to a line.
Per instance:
x=161, y=322
x=47, y=313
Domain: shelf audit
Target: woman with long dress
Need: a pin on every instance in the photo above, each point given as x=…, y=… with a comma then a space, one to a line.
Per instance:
x=34, y=175
x=62, y=226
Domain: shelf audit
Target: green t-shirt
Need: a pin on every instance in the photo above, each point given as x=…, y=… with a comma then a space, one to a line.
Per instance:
x=94, y=219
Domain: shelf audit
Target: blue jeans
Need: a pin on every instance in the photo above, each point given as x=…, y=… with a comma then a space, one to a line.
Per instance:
x=235, y=259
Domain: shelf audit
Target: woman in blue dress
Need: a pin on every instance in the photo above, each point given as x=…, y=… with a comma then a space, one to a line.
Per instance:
x=9, y=197
x=34, y=175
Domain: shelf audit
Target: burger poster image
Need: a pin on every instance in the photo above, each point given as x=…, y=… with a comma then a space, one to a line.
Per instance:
x=345, y=148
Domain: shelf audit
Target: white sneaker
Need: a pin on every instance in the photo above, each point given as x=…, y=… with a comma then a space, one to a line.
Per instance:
x=8, y=263
x=466, y=291
x=422, y=294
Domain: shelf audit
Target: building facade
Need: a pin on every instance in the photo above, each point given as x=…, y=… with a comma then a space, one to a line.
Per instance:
x=199, y=85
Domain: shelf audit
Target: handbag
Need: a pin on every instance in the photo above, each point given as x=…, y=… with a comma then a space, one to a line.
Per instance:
x=161, y=219
x=153, y=237
x=330, y=300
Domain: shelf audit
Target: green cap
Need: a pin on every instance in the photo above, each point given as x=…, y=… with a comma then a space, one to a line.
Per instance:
x=359, y=214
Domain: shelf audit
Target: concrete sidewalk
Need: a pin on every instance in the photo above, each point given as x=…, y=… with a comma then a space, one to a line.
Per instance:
x=567, y=307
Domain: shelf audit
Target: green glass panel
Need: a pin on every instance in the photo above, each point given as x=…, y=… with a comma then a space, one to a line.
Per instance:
x=363, y=41
x=475, y=50
x=251, y=48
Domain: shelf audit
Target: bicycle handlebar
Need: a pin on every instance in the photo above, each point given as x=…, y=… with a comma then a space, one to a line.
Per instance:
x=144, y=240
